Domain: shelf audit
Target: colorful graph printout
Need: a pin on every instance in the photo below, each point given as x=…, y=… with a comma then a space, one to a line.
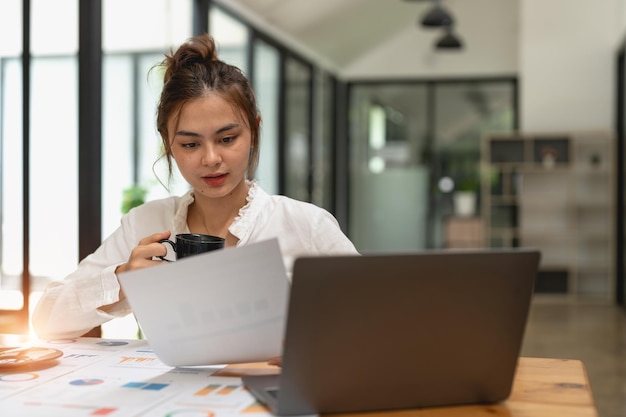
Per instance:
x=190, y=413
x=112, y=343
x=90, y=381
x=207, y=390
x=105, y=380
x=227, y=389
x=145, y=386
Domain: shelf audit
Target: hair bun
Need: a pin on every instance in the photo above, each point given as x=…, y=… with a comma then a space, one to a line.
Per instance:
x=190, y=57
x=199, y=50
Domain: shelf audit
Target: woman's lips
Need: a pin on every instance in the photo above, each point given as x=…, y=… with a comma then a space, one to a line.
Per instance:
x=214, y=181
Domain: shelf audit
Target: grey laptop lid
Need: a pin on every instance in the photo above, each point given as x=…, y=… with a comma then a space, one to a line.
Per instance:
x=401, y=331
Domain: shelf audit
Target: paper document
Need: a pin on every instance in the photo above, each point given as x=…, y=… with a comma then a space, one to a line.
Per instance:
x=120, y=378
x=225, y=306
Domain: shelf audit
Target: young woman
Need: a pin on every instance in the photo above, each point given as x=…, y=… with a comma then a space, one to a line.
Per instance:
x=209, y=124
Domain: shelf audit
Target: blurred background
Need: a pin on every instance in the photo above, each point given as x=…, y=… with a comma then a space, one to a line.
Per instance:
x=420, y=124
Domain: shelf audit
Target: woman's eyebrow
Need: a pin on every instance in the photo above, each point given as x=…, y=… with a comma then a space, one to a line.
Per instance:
x=222, y=129
x=227, y=127
x=186, y=133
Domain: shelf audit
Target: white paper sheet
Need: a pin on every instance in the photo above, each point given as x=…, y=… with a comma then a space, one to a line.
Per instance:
x=225, y=306
x=120, y=378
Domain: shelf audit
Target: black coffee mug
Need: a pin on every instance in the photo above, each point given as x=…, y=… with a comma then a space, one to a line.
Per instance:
x=188, y=244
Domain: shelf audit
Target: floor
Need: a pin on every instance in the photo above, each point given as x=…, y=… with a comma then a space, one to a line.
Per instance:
x=590, y=331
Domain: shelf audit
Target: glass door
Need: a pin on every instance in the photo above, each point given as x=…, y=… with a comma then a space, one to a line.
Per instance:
x=415, y=147
x=389, y=167
x=463, y=113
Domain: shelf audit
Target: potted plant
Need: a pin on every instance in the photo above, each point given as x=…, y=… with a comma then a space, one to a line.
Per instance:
x=133, y=196
x=465, y=194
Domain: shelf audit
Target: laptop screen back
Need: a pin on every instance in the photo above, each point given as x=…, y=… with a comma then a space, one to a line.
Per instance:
x=404, y=331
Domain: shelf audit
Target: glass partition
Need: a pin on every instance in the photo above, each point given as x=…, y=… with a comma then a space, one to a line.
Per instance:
x=389, y=174
x=11, y=181
x=53, y=167
x=620, y=181
x=11, y=167
x=118, y=79
x=12, y=284
x=463, y=113
x=231, y=38
x=267, y=88
x=53, y=148
x=144, y=25
x=131, y=145
x=323, y=141
x=297, y=129
x=621, y=194
x=414, y=147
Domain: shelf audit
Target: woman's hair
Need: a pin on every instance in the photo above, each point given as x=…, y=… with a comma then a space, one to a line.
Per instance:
x=194, y=71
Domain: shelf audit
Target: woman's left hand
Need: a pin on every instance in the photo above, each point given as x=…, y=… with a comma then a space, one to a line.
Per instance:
x=277, y=361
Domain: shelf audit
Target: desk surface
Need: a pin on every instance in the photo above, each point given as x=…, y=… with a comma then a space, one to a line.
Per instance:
x=112, y=378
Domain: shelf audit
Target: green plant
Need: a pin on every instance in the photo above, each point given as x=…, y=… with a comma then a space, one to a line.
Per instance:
x=133, y=196
x=472, y=177
x=463, y=166
x=468, y=182
x=467, y=176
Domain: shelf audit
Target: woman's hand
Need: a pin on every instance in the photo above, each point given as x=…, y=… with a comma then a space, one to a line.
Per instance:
x=141, y=257
x=148, y=248
x=277, y=361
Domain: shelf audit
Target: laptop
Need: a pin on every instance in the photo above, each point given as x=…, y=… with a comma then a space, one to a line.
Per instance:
x=393, y=331
x=220, y=307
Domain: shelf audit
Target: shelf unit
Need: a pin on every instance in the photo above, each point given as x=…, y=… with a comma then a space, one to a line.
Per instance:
x=554, y=192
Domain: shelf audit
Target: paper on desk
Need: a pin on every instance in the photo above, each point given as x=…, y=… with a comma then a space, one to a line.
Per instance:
x=220, y=307
x=121, y=378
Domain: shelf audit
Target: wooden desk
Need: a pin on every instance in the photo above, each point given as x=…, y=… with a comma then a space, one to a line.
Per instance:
x=542, y=388
x=125, y=379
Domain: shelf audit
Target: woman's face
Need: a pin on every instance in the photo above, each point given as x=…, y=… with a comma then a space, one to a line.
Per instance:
x=211, y=146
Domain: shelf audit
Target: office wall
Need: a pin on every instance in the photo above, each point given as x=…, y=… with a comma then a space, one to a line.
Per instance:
x=488, y=28
x=562, y=50
x=567, y=63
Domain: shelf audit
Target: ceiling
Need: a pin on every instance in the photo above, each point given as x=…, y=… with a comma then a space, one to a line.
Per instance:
x=342, y=31
x=339, y=31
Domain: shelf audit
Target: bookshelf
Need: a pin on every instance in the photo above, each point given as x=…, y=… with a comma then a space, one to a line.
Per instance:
x=554, y=192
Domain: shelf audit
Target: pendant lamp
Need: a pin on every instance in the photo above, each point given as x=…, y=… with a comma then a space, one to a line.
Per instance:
x=438, y=16
x=449, y=41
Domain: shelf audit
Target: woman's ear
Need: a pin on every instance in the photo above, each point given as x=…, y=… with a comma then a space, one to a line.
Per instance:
x=258, y=121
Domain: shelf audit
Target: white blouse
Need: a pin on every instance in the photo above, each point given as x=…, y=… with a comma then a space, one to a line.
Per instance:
x=71, y=307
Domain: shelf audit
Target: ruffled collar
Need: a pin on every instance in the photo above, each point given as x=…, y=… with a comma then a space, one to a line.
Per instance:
x=246, y=218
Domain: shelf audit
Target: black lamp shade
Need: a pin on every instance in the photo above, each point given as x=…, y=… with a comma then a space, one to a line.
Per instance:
x=449, y=41
x=437, y=17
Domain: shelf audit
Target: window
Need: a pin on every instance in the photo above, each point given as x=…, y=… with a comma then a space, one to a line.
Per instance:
x=131, y=144
x=11, y=157
x=297, y=129
x=267, y=88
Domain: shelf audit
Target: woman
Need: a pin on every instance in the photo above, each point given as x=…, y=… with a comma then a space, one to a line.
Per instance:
x=209, y=124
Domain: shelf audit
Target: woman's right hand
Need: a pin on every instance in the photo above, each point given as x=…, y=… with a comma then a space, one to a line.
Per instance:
x=141, y=257
x=147, y=249
x=276, y=361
